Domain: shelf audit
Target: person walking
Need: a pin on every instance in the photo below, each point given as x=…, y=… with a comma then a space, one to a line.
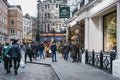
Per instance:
x=41, y=49
x=73, y=52
x=7, y=57
x=34, y=50
x=28, y=52
x=53, y=48
x=78, y=51
x=66, y=49
x=16, y=56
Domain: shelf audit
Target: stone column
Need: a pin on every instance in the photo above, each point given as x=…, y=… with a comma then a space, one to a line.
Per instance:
x=116, y=63
x=86, y=33
x=86, y=38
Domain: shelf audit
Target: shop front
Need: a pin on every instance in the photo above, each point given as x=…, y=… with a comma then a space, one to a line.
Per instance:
x=110, y=31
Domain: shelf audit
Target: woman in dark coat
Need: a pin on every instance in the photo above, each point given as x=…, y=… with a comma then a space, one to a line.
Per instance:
x=73, y=52
x=7, y=57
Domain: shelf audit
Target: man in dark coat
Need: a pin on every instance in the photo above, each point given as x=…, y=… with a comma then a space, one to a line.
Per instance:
x=53, y=49
x=16, y=56
x=73, y=51
x=66, y=49
x=28, y=52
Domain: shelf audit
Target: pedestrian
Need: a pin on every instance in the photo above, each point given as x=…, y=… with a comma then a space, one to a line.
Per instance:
x=78, y=51
x=28, y=52
x=66, y=49
x=34, y=50
x=1, y=48
x=53, y=48
x=41, y=50
x=7, y=57
x=16, y=56
x=73, y=52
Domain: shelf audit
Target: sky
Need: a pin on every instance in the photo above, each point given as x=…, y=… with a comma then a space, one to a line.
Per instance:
x=28, y=6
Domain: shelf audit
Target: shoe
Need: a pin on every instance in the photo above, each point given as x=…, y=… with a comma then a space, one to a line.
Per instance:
x=73, y=61
x=52, y=61
x=16, y=72
x=55, y=60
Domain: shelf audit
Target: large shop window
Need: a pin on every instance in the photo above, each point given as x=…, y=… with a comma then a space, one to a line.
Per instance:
x=110, y=30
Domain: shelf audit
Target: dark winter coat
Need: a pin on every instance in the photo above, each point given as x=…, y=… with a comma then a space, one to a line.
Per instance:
x=16, y=53
x=73, y=51
x=66, y=47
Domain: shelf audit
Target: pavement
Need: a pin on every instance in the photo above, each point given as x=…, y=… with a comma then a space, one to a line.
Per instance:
x=30, y=72
x=66, y=70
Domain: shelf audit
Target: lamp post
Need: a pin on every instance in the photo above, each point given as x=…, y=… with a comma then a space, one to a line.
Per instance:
x=53, y=31
x=37, y=32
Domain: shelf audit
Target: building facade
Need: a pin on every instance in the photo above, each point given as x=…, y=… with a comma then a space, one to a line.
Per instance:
x=27, y=28
x=49, y=21
x=15, y=22
x=3, y=20
x=101, y=21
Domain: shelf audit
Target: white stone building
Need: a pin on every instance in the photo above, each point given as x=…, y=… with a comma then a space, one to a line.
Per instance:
x=101, y=19
x=27, y=28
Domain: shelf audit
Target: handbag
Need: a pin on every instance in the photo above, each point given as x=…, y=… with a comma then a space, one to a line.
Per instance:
x=22, y=64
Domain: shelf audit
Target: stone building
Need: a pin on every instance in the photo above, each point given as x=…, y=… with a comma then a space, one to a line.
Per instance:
x=49, y=20
x=101, y=20
x=3, y=20
x=15, y=22
x=27, y=28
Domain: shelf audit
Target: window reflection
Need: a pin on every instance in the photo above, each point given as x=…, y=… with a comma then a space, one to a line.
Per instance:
x=110, y=38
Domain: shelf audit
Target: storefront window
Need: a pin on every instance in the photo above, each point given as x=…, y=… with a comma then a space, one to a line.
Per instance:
x=110, y=29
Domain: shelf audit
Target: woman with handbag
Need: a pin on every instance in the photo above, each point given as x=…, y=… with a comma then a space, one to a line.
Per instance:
x=7, y=53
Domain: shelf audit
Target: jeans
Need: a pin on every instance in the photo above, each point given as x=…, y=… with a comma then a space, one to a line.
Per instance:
x=66, y=56
x=42, y=54
x=54, y=56
x=16, y=63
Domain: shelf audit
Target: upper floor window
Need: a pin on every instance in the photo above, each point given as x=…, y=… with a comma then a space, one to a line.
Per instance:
x=45, y=6
x=12, y=22
x=82, y=3
x=12, y=32
x=56, y=5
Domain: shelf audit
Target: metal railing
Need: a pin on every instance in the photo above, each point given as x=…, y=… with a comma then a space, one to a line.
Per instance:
x=102, y=60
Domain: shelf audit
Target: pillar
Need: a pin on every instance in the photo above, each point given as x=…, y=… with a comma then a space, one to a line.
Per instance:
x=116, y=62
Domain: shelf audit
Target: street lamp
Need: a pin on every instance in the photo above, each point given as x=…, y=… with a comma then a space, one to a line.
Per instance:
x=53, y=31
x=37, y=32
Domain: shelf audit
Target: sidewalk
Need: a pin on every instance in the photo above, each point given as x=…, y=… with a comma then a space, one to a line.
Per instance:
x=66, y=70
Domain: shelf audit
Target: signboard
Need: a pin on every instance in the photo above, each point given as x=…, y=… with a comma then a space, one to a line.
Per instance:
x=64, y=12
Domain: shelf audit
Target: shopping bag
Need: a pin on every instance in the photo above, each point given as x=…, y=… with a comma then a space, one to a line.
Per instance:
x=1, y=59
x=22, y=64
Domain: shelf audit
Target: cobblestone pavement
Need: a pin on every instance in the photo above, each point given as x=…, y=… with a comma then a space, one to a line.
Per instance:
x=30, y=72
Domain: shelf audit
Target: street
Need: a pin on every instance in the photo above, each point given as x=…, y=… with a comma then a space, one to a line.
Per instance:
x=30, y=72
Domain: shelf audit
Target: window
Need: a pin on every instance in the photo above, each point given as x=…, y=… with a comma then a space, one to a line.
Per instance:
x=110, y=29
x=82, y=3
x=45, y=15
x=48, y=27
x=12, y=22
x=45, y=6
x=48, y=15
x=12, y=31
x=56, y=5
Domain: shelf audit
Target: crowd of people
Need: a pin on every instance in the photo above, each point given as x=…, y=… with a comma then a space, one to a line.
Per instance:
x=11, y=53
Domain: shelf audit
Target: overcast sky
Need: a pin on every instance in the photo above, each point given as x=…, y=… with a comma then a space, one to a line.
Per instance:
x=28, y=6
